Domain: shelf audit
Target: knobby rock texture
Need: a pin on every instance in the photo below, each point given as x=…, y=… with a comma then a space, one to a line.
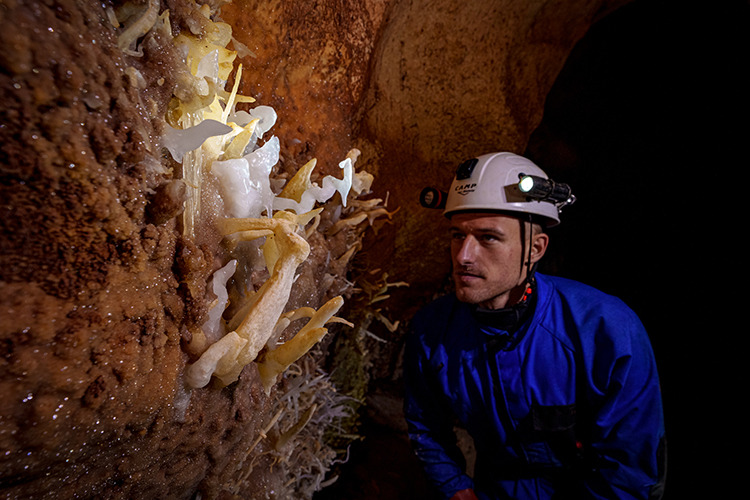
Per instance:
x=98, y=286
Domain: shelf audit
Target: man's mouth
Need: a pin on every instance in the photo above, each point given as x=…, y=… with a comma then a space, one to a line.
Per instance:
x=466, y=275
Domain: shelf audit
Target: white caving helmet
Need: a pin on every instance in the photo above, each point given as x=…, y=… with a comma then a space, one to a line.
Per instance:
x=491, y=182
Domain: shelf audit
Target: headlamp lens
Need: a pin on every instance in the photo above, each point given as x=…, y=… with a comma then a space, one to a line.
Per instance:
x=526, y=184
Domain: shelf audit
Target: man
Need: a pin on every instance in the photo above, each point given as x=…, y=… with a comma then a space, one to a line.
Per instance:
x=554, y=380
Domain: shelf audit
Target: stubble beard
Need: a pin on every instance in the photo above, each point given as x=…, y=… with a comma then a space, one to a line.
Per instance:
x=472, y=287
x=477, y=291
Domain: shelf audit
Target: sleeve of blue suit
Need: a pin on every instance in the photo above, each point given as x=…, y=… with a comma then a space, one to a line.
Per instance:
x=431, y=429
x=627, y=428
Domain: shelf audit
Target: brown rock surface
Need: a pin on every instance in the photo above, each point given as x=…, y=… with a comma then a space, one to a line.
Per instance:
x=98, y=286
x=93, y=294
x=312, y=60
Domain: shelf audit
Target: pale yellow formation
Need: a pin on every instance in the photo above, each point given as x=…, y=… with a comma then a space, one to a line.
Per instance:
x=298, y=184
x=226, y=358
x=200, y=96
x=260, y=321
x=220, y=355
x=136, y=29
x=200, y=99
x=279, y=359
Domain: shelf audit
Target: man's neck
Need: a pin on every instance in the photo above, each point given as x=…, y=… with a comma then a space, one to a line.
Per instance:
x=508, y=299
x=508, y=318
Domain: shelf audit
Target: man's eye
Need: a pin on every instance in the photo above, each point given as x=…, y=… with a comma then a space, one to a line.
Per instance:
x=457, y=236
x=489, y=238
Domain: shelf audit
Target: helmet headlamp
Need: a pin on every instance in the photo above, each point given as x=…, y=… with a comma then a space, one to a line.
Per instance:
x=541, y=189
x=432, y=198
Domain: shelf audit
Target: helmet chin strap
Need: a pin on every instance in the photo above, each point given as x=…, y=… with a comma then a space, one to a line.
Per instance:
x=511, y=317
x=530, y=269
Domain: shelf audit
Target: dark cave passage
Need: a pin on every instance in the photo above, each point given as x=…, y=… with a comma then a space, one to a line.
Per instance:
x=641, y=121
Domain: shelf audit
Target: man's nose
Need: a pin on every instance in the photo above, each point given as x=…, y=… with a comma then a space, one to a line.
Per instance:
x=467, y=250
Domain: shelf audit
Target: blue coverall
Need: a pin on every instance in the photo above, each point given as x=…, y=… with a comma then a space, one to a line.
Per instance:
x=568, y=406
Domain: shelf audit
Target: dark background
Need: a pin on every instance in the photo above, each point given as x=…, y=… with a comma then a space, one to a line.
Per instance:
x=648, y=122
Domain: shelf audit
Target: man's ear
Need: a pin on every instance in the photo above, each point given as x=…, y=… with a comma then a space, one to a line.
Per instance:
x=538, y=246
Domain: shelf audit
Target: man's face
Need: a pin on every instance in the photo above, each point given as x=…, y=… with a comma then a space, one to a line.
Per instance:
x=487, y=262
